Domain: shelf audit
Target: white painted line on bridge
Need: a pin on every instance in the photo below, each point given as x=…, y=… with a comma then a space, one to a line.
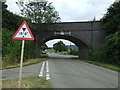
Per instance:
x=47, y=71
x=42, y=69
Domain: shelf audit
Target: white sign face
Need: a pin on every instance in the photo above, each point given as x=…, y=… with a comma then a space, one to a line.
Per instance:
x=23, y=33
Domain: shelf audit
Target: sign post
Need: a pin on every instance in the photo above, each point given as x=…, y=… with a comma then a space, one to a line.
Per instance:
x=23, y=33
x=21, y=62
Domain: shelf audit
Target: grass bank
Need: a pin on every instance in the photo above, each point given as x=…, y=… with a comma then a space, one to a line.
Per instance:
x=34, y=82
x=26, y=63
x=106, y=65
x=6, y=65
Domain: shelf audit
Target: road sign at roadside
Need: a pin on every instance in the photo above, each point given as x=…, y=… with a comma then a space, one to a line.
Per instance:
x=23, y=32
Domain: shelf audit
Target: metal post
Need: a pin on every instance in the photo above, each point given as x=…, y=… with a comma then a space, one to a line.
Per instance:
x=21, y=61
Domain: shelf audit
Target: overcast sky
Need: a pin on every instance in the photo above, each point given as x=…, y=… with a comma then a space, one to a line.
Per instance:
x=73, y=10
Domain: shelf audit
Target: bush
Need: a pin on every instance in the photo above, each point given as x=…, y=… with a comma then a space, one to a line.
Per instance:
x=29, y=50
x=110, y=53
x=97, y=56
x=73, y=52
x=10, y=48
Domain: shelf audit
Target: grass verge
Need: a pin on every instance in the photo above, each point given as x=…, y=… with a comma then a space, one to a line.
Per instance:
x=34, y=82
x=26, y=63
x=44, y=55
x=106, y=65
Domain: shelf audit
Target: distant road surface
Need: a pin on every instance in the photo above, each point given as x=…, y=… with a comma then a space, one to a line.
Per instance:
x=66, y=72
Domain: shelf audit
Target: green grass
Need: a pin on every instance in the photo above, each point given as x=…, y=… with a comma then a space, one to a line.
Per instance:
x=106, y=65
x=65, y=53
x=34, y=82
x=26, y=63
x=44, y=55
x=6, y=65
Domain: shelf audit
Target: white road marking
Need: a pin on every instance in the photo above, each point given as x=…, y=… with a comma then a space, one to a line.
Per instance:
x=42, y=69
x=47, y=71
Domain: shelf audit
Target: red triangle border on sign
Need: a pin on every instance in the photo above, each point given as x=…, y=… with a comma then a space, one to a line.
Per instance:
x=28, y=31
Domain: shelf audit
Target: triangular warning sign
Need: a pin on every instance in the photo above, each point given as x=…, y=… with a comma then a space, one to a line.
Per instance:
x=23, y=32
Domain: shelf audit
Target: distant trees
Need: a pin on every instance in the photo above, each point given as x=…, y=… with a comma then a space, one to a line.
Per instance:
x=59, y=46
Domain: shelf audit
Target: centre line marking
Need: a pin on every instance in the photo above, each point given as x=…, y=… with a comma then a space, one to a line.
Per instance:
x=42, y=69
x=47, y=71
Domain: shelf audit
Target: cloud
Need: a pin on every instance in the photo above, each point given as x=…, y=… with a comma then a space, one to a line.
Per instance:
x=12, y=6
x=74, y=10
x=81, y=10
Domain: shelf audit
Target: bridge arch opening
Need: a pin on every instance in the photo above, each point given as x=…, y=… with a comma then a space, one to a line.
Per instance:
x=69, y=48
x=83, y=48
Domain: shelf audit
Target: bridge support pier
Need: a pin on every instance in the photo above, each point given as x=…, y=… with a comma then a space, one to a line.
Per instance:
x=83, y=53
x=37, y=49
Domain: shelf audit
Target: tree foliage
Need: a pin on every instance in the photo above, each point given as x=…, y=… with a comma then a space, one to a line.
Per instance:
x=112, y=48
x=10, y=47
x=44, y=47
x=110, y=53
x=39, y=12
x=59, y=46
x=9, y=20
x=111, y=21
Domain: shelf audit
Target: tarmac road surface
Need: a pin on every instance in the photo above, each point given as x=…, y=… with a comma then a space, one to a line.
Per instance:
x=71, y=73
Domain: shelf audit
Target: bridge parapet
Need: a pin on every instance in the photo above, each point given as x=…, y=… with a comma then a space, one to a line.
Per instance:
x=78, y=26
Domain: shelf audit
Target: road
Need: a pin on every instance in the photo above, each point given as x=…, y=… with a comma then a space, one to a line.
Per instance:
x=28, y=71
x=69, y=73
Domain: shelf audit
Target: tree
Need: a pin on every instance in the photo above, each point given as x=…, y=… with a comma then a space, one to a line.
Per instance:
x=44, y=47
x=111, y=23
x=111, y=20
x=9, y=20
x=39, y=12
x=112, y=48
x=59, y=46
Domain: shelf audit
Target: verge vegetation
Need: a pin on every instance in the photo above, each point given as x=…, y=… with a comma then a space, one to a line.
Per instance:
x=110, y=52
x=6, y=65
x=102, y=64
x=34, y=82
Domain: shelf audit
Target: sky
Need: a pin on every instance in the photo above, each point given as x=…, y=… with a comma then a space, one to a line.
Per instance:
x=73, y=11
